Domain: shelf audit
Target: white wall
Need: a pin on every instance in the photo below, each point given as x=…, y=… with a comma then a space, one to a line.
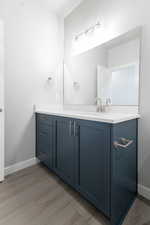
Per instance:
x=32, y=53
x=118, y=17
x=1, y=101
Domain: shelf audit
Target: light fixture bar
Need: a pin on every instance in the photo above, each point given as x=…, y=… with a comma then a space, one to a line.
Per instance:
x=88, y=30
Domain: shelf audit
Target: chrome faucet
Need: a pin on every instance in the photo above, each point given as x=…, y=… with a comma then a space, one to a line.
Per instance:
x=102, y=107
x=108, y=102
x=99, y=104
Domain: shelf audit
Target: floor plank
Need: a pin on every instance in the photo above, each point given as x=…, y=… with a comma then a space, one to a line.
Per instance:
x=34, y=196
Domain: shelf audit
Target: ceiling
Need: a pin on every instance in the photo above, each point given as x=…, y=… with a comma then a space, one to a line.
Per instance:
x=62, y=7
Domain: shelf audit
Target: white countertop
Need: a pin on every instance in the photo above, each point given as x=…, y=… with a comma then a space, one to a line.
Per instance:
x=107, y=117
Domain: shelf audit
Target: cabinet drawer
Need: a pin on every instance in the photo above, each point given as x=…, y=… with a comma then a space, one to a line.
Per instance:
x=44, y=119
x=44, y=139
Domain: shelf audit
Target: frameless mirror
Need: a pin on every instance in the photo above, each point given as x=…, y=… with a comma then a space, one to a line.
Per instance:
x=110, y=70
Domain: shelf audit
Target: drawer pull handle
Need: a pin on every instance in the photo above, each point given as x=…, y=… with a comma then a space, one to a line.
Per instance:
x=70, y=128
x=125, y=143
x=74, y=127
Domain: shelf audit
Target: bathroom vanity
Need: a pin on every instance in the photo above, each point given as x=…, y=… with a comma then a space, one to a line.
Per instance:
x=95, y=153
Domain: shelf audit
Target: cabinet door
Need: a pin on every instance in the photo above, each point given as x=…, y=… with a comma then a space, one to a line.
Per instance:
x=93, y=176
x=44, y=139
x=64, y=158
x=124, y=169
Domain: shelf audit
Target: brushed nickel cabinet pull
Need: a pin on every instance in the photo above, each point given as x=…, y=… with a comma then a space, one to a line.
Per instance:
x=70, y=128
x=74, y=128
x=125, y=143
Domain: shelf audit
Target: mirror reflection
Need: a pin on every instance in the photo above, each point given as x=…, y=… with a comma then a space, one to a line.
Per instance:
x=109, y=72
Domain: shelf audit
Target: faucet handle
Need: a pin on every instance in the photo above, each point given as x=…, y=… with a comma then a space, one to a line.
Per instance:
x=108, y=101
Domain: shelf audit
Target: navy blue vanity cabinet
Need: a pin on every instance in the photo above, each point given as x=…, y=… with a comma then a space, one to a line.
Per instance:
x=65, y=150
x=44, y=139
x=93, y=167
x=123, y=169
x=97, y=159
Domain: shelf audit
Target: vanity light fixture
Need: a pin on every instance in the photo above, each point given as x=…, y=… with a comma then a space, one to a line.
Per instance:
x=87, y=31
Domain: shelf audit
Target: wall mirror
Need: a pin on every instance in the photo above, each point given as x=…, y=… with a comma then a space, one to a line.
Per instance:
x=110, y=70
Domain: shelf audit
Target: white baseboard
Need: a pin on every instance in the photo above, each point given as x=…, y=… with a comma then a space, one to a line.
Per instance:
x=144, y=191
x=21, y=165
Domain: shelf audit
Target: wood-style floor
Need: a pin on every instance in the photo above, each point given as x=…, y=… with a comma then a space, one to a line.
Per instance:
x=34, y=196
